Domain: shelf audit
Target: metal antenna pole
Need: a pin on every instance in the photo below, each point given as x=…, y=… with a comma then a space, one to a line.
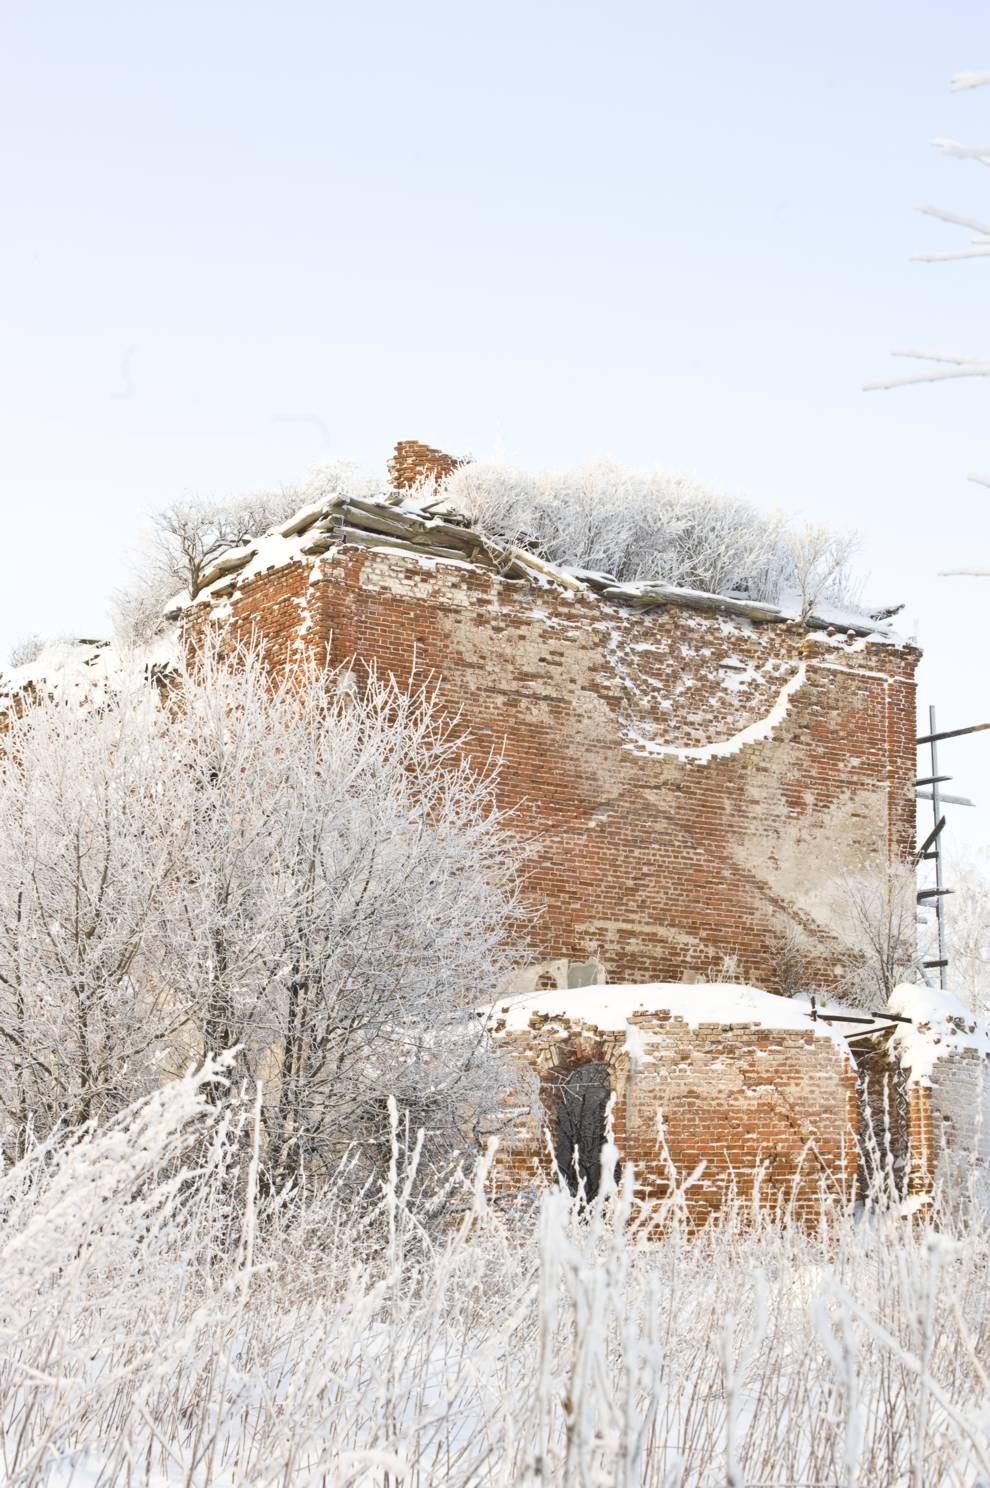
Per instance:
x=939, y=887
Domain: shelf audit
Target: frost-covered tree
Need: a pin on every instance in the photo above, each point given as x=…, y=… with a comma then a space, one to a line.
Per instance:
x=26, y=650
x=637, y=524
x=185, y=538
x=86, y=838
x=968, y=917
x=877, y=907
x=944, y=366
x=304, y=869
x=819, y=561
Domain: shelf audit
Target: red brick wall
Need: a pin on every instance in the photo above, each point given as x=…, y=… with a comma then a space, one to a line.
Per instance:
x=414, y=463
x=661, y=864
x=765, y=1110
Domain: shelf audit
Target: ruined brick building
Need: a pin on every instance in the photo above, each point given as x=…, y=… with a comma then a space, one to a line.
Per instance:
x=695, y=773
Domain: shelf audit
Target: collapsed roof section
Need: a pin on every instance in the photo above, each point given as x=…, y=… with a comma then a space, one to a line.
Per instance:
x=426, y=525
x=83, y=670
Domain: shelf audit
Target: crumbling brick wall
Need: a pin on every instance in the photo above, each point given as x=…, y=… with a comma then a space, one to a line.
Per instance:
x=413, y=464
x=927, y=1132
x=764, y=1111
x=959, y=1102
x=947, y=1142
x=692, y=783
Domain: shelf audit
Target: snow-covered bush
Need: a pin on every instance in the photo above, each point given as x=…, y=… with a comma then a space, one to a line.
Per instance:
x=305, y=869
x=26, y=650
x=880, y=939
x=185, y=538
x=637, y=524
x=154, y=1331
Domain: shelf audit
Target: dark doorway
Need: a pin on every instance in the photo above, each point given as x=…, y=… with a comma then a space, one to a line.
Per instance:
x=581, y=1112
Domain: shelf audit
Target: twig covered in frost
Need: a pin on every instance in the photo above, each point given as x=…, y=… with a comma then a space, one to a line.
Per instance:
x=946, y=366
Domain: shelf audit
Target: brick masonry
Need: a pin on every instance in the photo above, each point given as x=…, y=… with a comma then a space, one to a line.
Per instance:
x=948, y=1139
x=652, y=851
x=415, y=464
x=764, y=1113
x=926, y=1132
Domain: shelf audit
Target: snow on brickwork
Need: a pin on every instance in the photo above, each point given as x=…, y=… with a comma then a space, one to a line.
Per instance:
x=943, y=1057
x=85, y=670
x=941, y=1026
x=611, y=1007
x=664, y=862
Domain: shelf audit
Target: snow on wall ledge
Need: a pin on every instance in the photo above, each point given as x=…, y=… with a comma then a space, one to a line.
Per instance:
x=941, y=1026
x=711, y=1004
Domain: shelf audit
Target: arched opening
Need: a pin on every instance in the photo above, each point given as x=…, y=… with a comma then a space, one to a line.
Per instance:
x=581, y=1112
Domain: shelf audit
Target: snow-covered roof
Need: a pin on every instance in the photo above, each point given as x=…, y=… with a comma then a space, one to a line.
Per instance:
x=940, y=1025
x=613, y=1007
x=426, y=526
x=84, y=670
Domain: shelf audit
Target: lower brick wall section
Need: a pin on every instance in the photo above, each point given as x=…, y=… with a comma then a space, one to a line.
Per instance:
x=926, y=1133
x=949, y=1128
x=763, y=1111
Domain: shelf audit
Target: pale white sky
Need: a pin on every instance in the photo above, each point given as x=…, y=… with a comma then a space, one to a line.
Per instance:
x=242, y=238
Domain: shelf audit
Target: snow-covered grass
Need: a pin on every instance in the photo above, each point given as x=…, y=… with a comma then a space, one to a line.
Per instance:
x=160, y=1324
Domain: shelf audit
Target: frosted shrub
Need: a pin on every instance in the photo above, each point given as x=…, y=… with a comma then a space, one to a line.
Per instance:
x=636, y=524
x=182, y=542
x=26, y=650
x=185, y=538
x=161, y=1321
x=883, y=942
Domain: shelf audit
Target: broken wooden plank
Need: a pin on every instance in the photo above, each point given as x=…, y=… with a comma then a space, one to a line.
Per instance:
x=303, y=520
x=321, y=543
x=396, y=523
x=651, y=593
x=229, y=562
x=360, y=538
x=543, y=569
